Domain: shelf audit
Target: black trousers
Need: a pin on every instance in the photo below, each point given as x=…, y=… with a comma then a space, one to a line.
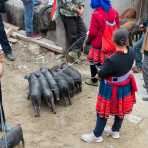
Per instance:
x=101, y=123
x=1, y=105
x=3, y=38
x=93, y=71
x=75, y=29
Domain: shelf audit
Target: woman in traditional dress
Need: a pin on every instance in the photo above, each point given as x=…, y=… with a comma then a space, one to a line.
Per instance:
x=104, y=21
x=117, y=89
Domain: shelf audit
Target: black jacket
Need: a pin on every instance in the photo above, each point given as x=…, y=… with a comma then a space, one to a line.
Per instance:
x=117, y=65
x=2, y=6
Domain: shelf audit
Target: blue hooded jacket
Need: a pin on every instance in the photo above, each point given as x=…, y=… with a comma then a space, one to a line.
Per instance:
x=105, y=4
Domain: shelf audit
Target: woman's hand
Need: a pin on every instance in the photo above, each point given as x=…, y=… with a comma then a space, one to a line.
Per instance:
x=80, y=10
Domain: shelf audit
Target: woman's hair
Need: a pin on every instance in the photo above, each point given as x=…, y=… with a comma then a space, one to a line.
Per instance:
x=129, y=13
x=120, y=37
x=105, y=4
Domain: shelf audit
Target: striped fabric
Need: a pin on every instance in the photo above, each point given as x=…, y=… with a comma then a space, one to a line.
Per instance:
x=53, y=10
x=116, y=98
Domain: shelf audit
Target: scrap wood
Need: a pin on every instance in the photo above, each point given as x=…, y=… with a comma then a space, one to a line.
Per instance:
x=13, y=27
x=12, y=40
x=41, y=42
x=9, y=28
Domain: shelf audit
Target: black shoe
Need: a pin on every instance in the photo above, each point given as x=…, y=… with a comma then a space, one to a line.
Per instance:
x=90, y=82
x=10, y=56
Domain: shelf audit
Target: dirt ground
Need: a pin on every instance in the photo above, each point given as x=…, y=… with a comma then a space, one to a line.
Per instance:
x=63, y=129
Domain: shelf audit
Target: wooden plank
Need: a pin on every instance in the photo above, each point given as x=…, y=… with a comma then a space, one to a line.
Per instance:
x=13, y=27
x=42, y=42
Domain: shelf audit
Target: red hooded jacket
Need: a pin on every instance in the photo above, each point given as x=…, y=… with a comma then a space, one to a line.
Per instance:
x=97, y=25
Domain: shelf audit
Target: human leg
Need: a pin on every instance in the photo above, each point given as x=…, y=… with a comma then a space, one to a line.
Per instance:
x=81, y=32
x=117, y=124
x=71, y=30
x=28, y=18
x=100, y=125
x=93, y=70
x=115, y=130
x=96, y=135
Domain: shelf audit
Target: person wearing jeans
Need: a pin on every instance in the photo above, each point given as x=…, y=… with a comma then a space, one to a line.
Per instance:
x=101, y=123
x=104, y=21
x=28, y=17
x=117, y=89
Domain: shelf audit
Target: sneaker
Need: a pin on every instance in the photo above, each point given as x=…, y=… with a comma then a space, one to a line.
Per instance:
x=28, y=34
x=33, y=35
x=115, y=135
x=90, y=137
x=36, y=35
x=90, y=82
x=10, y=56
x=108, y=132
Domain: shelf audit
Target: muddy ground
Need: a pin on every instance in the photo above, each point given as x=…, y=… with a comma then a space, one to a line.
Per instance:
x=63, y=129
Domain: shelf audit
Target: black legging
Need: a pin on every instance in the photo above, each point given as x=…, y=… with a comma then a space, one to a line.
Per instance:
x=1, y=105
x=93, y=71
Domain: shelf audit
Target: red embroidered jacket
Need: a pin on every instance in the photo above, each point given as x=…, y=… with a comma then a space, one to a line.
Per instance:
x=97, y=25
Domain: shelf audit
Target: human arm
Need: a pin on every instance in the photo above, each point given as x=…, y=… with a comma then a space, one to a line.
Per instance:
x=80, y=10
x=106, y=69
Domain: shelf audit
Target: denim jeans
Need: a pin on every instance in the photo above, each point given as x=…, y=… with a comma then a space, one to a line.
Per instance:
x=138, y=55
x=3, y=38
x=28, y=15
x=101, y=123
